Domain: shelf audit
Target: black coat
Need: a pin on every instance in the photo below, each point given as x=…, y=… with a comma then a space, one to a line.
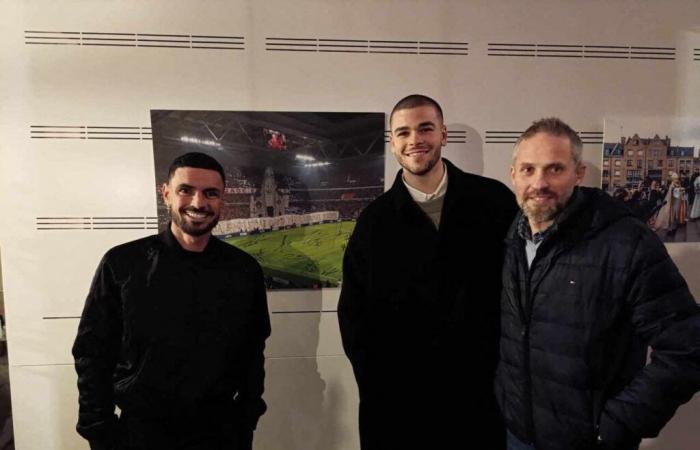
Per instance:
x=418, y=315
x=172, y=337
x=576, y=325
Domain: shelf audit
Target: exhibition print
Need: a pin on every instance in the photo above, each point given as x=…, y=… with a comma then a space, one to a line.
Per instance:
x=652, y=166
x=295, y=183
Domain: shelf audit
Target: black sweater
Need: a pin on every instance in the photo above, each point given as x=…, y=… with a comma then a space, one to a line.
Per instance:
x=168, y=334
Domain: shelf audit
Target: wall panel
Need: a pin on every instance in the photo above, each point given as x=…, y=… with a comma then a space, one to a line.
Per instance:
x=76, y=150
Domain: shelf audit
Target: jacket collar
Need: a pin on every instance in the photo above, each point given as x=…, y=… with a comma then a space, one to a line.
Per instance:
x=402, y=198
x=168, y=240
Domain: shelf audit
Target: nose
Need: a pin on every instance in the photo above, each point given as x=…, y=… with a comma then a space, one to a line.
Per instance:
x=539, y=180
x=414, y=138
x=198, y=199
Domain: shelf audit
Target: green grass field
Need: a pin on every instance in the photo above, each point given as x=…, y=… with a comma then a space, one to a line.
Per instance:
x=314, y=252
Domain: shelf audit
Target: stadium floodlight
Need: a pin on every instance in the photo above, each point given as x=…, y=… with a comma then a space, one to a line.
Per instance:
x=305, y=157
x=318, y=164
x=194, y=140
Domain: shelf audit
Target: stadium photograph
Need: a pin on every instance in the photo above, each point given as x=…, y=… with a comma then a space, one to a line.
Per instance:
x=295, y=183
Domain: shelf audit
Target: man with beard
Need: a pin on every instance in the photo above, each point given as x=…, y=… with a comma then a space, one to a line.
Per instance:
x=418, y=308
x=173, y=331
x=586, y=289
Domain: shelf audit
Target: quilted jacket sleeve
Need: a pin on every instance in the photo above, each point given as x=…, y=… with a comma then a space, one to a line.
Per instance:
x=666, y=316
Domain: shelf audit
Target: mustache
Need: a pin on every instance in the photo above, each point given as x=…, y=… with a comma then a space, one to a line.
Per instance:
x=534, y=192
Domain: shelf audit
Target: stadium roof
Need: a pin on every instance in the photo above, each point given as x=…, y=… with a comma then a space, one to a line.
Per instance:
x=321, y=135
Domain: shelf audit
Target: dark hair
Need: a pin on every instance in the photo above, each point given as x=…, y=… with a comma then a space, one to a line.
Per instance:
x=414, y=101
x=196, y=160
x=554, y=127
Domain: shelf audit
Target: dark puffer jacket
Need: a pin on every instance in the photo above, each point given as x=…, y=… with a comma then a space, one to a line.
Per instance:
x=576, y=326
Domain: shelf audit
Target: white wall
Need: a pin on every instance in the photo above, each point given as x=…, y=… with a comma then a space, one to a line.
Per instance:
x=310, y=388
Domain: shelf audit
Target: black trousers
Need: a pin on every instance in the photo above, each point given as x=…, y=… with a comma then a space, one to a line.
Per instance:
x=137, y=433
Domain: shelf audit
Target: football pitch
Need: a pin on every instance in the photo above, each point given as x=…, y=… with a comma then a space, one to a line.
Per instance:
x=313, y=253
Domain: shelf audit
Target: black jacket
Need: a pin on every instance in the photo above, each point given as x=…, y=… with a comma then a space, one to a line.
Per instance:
x=171, y=336
x=576, y=325
x=418, y=315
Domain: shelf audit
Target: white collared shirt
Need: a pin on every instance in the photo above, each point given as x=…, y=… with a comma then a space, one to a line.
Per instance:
x=422, y=197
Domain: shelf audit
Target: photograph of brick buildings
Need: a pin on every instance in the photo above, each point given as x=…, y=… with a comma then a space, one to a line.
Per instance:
x=655, y=171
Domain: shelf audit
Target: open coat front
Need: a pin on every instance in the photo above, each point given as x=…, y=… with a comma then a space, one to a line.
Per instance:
x=419, y=316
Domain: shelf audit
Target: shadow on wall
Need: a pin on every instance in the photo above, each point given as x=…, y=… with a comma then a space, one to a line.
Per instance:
x=467, y=154
x=592, y=177
x=299, y=415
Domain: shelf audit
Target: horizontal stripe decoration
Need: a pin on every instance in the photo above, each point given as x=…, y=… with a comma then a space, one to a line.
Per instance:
x=581, y=51
x=96, y=223
x=511, y=137
x=320, y=45
x=101, y=39
x=90, y=132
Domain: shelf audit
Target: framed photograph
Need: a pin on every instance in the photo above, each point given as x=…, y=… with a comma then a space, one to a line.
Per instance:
x=295, y=182
x=652, y=166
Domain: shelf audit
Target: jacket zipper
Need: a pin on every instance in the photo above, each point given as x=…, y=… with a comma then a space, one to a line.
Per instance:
x=527, y=316
x=525, y=335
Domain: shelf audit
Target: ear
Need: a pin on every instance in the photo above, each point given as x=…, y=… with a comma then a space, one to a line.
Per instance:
x=392, y=142
x=512, y=175
x=444, y=135
x=580, y=173
x=165, y=193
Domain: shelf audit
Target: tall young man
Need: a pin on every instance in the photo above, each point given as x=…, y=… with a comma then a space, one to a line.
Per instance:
x=418, y=309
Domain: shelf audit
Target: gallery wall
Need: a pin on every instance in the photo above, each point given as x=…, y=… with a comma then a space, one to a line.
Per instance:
x=79, y=78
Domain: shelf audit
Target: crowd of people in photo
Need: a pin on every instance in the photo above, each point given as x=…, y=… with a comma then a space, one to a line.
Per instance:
x=664, y=206
x=254, y=225
x=349, y=202
x=237, y=206
x=344, y=198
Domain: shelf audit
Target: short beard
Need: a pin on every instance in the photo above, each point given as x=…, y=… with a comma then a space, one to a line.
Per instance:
x=541, y=215
x=179, y=221
x=428, y=167
x=420, y=173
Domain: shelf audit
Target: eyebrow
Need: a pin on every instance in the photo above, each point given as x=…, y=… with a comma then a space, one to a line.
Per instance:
x=189, y=186
x=546, y=165
x=422, y=124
